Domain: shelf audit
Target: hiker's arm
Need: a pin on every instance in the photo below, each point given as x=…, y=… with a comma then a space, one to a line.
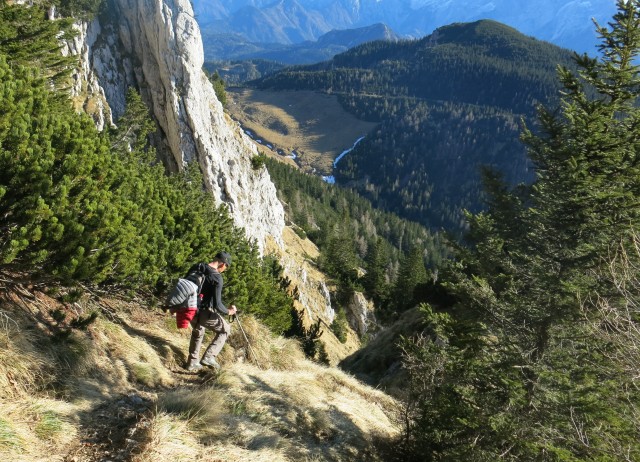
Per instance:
x=217, y=296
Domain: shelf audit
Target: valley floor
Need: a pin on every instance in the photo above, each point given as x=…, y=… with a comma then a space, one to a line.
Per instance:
x=311, y=124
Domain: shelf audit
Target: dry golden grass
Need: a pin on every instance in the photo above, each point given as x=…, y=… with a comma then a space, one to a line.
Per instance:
x=137, y=360
x=312, y=124
x=169, y=439
x=35, y=429
x=264, y=350
x=303, y=413
x=18, y=377
x=287, y=409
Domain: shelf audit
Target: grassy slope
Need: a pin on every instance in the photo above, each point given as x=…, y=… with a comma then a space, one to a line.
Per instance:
x=116, y=391
x=312, y=124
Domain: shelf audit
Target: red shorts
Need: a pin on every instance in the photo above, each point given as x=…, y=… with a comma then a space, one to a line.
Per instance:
x=184, y=317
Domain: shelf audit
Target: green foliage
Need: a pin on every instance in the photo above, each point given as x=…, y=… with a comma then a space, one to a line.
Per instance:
x=309, y=338
x=445, y=107
x=352, y=234
x=79, y=9
x=218, y=87
x=527, y=364
x=80, y=205
x=258, y=161
x=339, y=326
x=375, y=281
x=339, y=255
x=28, y=38
x=265, y=292
x=412, y=273
x=335, y=217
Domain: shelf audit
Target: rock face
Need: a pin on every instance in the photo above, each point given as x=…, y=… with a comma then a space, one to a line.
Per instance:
x=156, y=47
x=313, y=294
x=360, y=313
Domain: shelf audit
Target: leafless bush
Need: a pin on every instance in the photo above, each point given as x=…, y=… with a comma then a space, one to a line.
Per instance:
x=614, y=318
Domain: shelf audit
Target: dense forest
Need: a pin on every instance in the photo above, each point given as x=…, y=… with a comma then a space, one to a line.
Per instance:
x=532, y=354
x=352, y=234
x=447, y=104
x=79, y=206
x=529, y=344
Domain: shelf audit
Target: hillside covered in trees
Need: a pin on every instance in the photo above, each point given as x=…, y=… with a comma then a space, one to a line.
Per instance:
x=531, y=351
x=351, y=234
x=446, y=105
x=527, y=344
x=82, y=206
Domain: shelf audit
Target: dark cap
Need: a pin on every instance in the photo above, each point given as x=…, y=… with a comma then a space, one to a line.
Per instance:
x=224, y=257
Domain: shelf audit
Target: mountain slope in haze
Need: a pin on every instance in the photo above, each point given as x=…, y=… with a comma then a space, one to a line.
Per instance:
x=564, y=22
x=235, y=47
x=446, y=105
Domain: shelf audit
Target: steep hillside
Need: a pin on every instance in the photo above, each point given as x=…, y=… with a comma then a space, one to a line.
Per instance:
x=156, y=48
x=87, y=378
x=447, y=105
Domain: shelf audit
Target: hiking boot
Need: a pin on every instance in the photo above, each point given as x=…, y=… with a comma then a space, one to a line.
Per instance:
x=210, y=362
x=193, y=366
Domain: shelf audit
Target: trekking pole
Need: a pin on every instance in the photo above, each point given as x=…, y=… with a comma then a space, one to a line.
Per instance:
x=255, y=358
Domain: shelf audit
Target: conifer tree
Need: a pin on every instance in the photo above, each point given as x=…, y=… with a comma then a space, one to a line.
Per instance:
x=412, y=273
x=374, y=281
x=520, y=377
x=28, y=37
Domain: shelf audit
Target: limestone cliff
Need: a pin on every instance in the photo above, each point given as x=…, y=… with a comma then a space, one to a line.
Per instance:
x=156, y=47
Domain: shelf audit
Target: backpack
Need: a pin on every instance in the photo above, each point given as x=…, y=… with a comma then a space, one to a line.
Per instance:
x=197, y=275
x=182, y=290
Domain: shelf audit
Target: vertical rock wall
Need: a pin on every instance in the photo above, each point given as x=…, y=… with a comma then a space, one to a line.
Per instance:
x=155, y=45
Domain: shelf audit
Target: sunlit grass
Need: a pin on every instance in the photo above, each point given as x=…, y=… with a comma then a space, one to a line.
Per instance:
x=49, y=426
x=9, y=439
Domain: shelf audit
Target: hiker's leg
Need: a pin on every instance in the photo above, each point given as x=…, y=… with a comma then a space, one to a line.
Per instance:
x=197, y=335
x=222, y=329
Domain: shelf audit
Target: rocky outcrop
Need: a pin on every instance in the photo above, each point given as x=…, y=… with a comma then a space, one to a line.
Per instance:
x=360, y=313
x=105, y=73
x=313, y=294
x=156, y=46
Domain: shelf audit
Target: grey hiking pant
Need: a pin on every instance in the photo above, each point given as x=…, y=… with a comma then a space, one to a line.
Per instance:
x=204, y=320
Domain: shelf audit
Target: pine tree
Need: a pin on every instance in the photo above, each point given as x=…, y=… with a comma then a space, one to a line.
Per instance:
x=375, y=281
x=411, y=274
x=520, y=375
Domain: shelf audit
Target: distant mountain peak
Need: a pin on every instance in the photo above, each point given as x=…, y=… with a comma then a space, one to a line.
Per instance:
x=564, y=22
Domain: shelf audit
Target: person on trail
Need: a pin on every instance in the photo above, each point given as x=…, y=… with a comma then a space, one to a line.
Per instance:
x=209, y=316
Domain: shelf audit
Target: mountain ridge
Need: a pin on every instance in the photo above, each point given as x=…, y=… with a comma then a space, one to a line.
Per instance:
x=446, y=104
x=567, y=23
x=234, y=47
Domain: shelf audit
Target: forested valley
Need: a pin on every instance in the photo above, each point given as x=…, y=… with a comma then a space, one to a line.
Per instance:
x=528, y=348
x=362, y=248
x=447, y=105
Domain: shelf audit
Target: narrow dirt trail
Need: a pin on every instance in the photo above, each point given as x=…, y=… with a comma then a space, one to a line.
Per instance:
x=115, y=430
x=111, y=427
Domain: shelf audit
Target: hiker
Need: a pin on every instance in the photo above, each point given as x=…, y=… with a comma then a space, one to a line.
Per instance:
x=209, y=316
